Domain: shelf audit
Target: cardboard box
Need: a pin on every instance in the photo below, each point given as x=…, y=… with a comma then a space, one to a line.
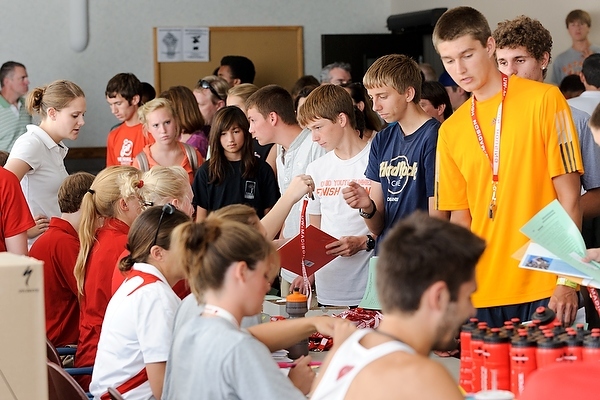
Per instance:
x=23, y=368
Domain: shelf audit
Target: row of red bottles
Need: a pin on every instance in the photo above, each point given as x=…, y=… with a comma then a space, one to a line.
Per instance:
x=503, y=358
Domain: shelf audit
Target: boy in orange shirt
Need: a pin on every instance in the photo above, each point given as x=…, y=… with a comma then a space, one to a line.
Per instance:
x=127, y=139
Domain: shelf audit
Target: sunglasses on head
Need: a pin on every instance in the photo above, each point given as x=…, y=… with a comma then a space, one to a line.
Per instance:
x=168, y=209
x=206, y=85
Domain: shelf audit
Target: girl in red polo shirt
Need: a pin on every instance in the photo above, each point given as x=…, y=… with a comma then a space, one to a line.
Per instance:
x=107, y=210
x=162, y=185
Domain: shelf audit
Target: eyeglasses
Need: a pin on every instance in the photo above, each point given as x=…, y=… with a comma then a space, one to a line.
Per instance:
x=168, y=209
x=206, y=85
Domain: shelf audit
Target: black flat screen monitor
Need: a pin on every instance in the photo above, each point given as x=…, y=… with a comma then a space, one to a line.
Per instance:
x=361, y=50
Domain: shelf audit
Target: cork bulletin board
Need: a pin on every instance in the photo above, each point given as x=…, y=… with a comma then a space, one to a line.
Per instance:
x=276, y=51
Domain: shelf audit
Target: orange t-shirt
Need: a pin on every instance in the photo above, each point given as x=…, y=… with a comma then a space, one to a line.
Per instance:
x=185, y=163
x=124, y=142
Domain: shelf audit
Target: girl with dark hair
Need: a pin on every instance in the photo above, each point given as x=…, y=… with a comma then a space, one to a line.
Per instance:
x=137, y=329
x=233, y=175
x=362, y=101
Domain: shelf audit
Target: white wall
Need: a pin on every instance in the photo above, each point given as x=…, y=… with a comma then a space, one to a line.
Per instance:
x=551, y=13
x=35, y=32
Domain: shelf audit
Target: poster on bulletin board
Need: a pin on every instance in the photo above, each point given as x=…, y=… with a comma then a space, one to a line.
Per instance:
x=184, y=55
x=182, y=44
x=169, y=44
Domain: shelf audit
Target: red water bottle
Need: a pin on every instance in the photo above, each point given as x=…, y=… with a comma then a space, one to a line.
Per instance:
x=522, y=361
x=549, y=351
x=591, y=347
x=465, y=379
x=496, y=360
x=477, y=355
x=533, y=330
x=545, y=315
x=573, y=350
x=509, y=329
x=581, y=332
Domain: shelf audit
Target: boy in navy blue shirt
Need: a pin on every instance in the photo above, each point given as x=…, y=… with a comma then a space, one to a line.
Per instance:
x=402, y=159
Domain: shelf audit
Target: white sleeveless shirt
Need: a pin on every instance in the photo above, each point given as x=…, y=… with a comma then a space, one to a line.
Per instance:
x=348, y=361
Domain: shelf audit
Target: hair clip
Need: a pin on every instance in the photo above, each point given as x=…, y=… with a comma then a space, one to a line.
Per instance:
x=91, y=191
x=140, y=184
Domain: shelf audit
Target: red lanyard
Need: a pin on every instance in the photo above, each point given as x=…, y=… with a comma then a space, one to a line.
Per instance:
x=495, y=159
x=303, y=249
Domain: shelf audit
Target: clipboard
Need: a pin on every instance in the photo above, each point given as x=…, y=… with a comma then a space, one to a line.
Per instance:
x=316, y=258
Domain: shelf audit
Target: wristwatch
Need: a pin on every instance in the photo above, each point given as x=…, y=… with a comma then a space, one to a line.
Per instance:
x=366, y=215
x=370, y=243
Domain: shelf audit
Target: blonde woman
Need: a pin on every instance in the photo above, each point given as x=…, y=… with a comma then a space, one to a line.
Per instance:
x=107, y=211
x=159, y=119
x=37, y=157
x=162, y=185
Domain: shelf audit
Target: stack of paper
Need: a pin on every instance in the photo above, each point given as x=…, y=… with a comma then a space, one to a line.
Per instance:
x=558, y=247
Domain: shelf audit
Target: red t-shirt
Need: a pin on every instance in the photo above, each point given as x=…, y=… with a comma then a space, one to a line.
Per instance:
x=15, y=217
x=124, y=143
x=577, y=380
x=111, y=239
x=58, y=248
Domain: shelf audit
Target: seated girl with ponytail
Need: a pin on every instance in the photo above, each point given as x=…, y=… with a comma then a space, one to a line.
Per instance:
x=107, y=211
x=137, y=329
x=229, y=266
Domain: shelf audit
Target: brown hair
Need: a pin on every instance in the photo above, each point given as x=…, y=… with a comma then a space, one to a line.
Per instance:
x=110, y=185
x=273, y=98
x=461, y=21
x=241, y=213
x=218, y=165
x=397, y=71
x=72, y=190
x=359, y=93
x=143, y=230
x=207, y=249
x=57, y=95
x=524, y=32
x=219, y=84
x=125, y=84
x=327, y=102
x=578, y=16
x=419, y=251
x=185, y=107
x=305, y=80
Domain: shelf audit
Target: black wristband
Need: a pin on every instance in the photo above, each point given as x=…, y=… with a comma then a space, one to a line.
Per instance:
x=370, y=215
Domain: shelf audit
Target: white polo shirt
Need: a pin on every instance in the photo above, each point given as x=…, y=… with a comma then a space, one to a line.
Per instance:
x=137, y=330
x=46, y=159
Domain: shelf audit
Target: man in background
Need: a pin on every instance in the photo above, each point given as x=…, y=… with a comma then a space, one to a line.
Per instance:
x=14, y=117
x=457, y=94
x=590, y=76
x=337, y=73
x=570, y=61
x=236, y=70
